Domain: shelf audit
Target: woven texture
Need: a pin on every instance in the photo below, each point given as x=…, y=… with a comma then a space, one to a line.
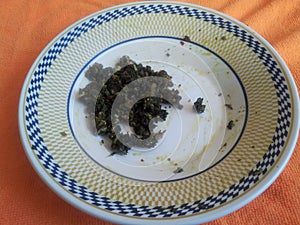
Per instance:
x=28, y=26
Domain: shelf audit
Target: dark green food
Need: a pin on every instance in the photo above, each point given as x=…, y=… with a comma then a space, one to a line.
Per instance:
x=230, y=125
x=199, y=106
x=105, y=85
x=178, y=170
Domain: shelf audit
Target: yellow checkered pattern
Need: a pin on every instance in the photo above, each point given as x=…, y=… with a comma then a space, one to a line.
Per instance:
x=252, y=146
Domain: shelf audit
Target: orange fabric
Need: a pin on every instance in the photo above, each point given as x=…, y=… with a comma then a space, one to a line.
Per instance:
x=26, y=26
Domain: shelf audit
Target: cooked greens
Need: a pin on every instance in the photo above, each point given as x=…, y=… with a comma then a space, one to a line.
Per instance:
x=105, y=85
x=199, y=106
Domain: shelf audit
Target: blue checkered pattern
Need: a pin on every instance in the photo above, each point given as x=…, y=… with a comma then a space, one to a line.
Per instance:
x=284, y=115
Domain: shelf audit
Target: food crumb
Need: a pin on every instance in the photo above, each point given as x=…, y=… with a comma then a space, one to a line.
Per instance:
x=199, y=106
x=187, y=38
x=181, y=42
x=229, y=106
x=257, y=172
x=142, y=160
x=178, y=170
x=63, y=134
x=230, y=124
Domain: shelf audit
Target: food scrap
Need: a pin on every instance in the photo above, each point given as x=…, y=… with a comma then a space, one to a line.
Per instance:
x=63, y=134
x=256, y=172
x=230, y=124
x=187, y=38
x=229, y=106
x=178, y=170
x=199, y=106
x=105, y=85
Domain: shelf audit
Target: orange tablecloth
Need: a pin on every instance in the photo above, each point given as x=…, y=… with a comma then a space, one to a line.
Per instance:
x=26, y=26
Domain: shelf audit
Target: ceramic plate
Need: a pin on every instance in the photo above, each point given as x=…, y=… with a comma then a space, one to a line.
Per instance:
x=205, y=165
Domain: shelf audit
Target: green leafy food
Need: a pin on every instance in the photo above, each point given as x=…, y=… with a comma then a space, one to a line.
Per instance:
x=105, y=85
x=199, y=106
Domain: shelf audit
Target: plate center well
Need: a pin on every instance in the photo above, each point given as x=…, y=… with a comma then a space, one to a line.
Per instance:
x=191, y=141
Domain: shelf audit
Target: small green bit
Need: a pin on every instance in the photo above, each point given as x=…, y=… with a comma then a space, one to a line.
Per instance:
x=199, y=106
x=230, y=124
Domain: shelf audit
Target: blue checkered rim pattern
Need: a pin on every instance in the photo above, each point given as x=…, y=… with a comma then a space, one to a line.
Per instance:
x=32, y=123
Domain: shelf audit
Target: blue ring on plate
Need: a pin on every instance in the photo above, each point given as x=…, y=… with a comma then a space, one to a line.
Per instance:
x=41, y=151
x=201, y=46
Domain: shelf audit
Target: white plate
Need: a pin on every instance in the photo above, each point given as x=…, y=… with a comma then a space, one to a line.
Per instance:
x=240, y=77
